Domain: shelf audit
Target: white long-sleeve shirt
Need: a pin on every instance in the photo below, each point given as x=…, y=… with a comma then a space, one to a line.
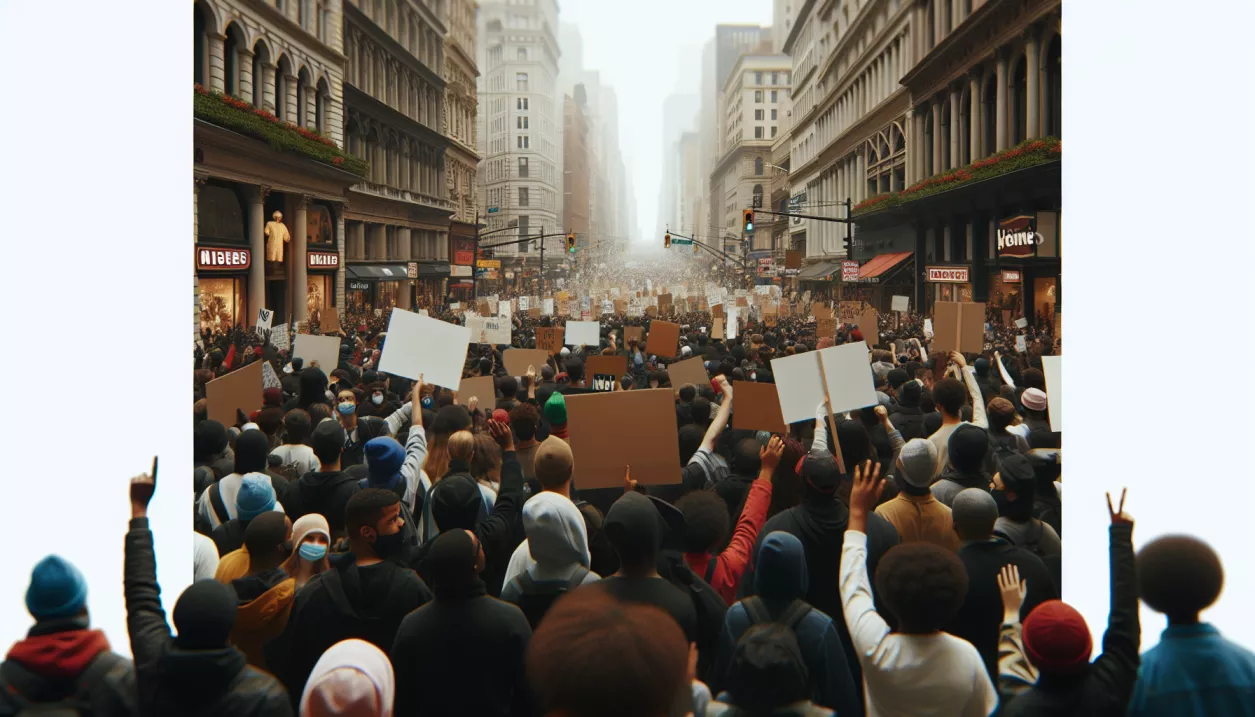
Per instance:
x=937, y=675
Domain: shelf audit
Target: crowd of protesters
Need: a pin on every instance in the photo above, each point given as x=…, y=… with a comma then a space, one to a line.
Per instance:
x=369, y=545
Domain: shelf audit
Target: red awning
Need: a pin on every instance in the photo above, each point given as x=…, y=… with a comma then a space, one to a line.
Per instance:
x=881, y=264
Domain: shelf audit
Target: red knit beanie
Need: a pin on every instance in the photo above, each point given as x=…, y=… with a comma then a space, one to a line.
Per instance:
x=856, y=335
x=1056, y=638
x=501, y=416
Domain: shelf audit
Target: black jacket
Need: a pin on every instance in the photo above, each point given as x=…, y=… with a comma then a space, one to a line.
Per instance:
x=344, y=602
x=44, y=668
x=229, y=536
x=979, y=620
x=174, y=681
x=437, y=643
x=325, y=493
x=1103, y=688
x=909, y=420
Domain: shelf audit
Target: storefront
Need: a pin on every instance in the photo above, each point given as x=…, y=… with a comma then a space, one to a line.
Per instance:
x=358, y=297
x=1026, y=246
x=948, y=283
x=461, y=261
x=430, y=280
x=222, y=279
x=321, y=267
x=879, y=279
x=375, y=286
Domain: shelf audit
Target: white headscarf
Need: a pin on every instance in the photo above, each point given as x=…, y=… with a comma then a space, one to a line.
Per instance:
x=352, y=679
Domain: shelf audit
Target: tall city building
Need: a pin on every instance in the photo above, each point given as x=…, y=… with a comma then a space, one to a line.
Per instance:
x=575, y=163
x=461, y=159
x=520, y=123
x=287, y=63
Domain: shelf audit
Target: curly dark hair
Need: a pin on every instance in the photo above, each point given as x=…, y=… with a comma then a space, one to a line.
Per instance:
x=523, y=419
x=706, y=521
x=1179, y=576
x=922, y=584
x=950, y=395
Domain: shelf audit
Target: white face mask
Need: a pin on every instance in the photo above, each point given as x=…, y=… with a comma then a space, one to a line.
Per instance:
x=376, y=399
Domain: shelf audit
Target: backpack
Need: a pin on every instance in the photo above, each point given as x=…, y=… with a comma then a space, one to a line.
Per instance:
x=1031, y=544
x=535, y=598
x=790, y=618
x=76, y=702
x=910, y=425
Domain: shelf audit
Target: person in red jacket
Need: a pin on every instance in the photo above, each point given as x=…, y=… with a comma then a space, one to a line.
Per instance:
x=706, y=525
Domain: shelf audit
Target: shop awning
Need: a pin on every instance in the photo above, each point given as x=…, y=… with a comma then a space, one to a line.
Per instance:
x=819, y=271
x=432, y=270
x=385, y=272
x=882, y=264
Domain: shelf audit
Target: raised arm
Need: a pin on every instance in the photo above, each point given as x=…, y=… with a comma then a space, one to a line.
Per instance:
x=721, y=416
x=968, y=375
x=1117, y=666
x=145, y=619
x=867, y=628
x=1002, y=370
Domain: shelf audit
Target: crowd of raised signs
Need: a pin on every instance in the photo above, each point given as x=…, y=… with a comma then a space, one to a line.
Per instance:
x=672, y=515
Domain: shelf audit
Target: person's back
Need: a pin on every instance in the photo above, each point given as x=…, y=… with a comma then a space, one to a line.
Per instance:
x=62, y=661
x=914, y=512
x=463, y=652
x=328, y=490
x=768, y=677
x=557, y=542
x=266, y=594
x=1193, y=671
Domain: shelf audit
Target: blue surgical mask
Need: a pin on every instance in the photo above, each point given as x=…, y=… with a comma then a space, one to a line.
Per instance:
x=313, y=552
x=347, y=408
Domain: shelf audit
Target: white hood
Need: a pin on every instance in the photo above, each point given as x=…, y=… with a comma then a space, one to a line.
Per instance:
x=556, y=536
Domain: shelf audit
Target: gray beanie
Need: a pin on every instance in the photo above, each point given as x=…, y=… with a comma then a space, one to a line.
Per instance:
x=919, y=462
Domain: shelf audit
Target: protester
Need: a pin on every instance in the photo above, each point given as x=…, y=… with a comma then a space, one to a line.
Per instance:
x=218, y=503
x=265, y=595
x=967, y=451
x=768, y=676
x=327, y=490
x=557, y=543
x=296, y=457
x=204, y=557
x=950, y=396
x=1014, y=490
x=196, y=673
x=255, y=497
x=914, y=512
x=311, y=541
x=1193, y=671
x=351, y=679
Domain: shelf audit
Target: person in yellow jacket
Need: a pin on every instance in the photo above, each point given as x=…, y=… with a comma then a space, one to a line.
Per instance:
x=266, y=593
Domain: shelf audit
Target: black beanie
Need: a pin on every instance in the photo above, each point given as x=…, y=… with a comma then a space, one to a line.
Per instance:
x=897, y=377
x=210, y=440
x=968, y=445
x=910, y=393
x=251, y=451
x=204, y=615
x=451, y=560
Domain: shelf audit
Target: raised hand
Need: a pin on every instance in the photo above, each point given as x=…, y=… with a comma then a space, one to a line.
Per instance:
x=868, y=485
x=769, y=455
x=629, y=485
x=1118, y=516
x=143, y=486
x=502, y=435
x=1013, y=591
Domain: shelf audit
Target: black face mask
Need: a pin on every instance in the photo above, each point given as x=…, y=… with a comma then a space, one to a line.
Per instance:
x=387, y=546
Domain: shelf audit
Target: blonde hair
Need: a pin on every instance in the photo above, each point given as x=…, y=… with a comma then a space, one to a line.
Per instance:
x=462, y=446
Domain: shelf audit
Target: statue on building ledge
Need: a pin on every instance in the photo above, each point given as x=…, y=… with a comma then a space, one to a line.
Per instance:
x=276, y=236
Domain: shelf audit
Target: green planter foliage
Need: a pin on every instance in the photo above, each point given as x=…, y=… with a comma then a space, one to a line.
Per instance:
x=1024, y=155
x=239, y=116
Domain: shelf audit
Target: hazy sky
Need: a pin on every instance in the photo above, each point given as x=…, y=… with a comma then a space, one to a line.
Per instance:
x=647, y=50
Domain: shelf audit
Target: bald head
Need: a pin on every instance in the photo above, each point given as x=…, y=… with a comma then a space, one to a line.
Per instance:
x=974, y=512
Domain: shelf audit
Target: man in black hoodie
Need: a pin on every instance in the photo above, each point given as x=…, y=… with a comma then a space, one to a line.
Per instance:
x=365, y=597
x=969, y=450
x=326, y=491
x=197, y=674
x=212, y=453
x=313, y=389
x=461, y=626
x=907, y=416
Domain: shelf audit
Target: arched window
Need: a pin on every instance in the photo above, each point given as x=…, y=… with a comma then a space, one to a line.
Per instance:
x=1054, y=88
x=231, y=59
x=283, y=70
x=1018, y=131
x=261, y=56
x=302, y=98
x=201, y=22
x=320, y=19
x=758, y=166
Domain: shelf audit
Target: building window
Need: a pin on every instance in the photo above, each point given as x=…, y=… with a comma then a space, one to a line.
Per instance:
x=773, y=130
x=521, y=103
x=775, y=78
x=773, y=114
x=758, y=78
x=773, y=97
x=520, y=81
x=231, y=61
x=758, y=133
x=522, y=141
x=524, y=200
x=758, y=115
x=522, y=54
x=521, y=122
x=758, y=96
x=523, y=167
x=758, y=166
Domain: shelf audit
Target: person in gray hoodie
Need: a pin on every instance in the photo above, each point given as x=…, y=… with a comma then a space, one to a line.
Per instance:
x=557, y=542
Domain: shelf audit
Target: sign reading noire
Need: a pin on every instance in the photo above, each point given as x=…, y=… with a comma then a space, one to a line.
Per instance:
x=1018, y=236
x=210, y=258
x=323, y=260
x=949, y=274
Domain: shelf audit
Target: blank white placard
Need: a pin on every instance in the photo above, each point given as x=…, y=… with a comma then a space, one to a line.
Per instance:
x=323, y=349
x=420, y=344
x=582, y=333
x=1052, y=367
x=850, y=382
x=798, y=385
x=901, y=303
x=547, y=307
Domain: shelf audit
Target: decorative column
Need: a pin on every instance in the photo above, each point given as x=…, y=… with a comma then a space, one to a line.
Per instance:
x=1032, y=71
x=300, y=284
x=404, y=254
x=1000, y=107
x=268, y=87
x=937, y=136
x=974, y=114
x=197, y=183
x=244, y=61
x=340, y=249
x=290, y=111
x=257, y=248
x=378, y=242
x=217, y=61
x=911, y=156
x=919, y=30
x=939, y=21
x=956, y=129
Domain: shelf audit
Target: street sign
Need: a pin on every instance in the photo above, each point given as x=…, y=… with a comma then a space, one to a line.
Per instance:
x=493, y=210
x=682, y=242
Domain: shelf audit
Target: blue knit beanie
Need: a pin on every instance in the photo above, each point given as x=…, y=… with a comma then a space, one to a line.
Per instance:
x=256, y=496
x=57, y=590
x=384, y=457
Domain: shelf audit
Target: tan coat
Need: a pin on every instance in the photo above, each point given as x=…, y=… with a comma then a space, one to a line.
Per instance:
x=921, y=519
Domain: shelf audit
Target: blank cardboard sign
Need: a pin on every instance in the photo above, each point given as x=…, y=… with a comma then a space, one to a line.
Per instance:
x=958, y=327
x=1052, y=367
x=716, y=328
x=608, y=431
x=664, y=338
x=869, y=325
x=517, y=360
x=423, y=345
x=323, y=349
x=688, y=371
x=330, y=323
x=237, y=390
x=549, y=339
x=633, y=332
x=756, y=407
x=611, y=365
x=582, y=333
x=483, y=387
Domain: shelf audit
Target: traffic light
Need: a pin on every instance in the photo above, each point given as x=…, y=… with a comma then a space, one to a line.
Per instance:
x=666, y=241
x=748, y=215
x=570, y=243
x=694, y=246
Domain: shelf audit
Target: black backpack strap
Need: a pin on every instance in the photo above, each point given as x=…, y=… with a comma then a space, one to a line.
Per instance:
x=219, y=506
x=1003, y=536
x=794, y=614
x=710, y=568
x=756, y=610
x=527, y=586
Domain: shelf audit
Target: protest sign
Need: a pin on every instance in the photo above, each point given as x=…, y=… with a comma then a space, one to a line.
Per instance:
x=264, y=317
x=928, y=328
x=663, y=339
x=869, y=325
x=716, y=328
x=482, y=387
x=549, y=339
x=732, y=327
x=423, y=345
x=494, y=330
x=1021, y=344
x=547, y=307
x=607, y=431
x=801, y=388
x=1021, y=323
x=534, y=312
x=664, y=303
x=691, y=370
x=524, y=303
x=901, y=303
x=958, y=327
x=279, y=337
x=517, y=360
x=1052, y=367
x=329, y=321
x=825, y=328
x=582, y=333
x=614, y=365
x=323, y=349
x=849, y=311
x=756, y=407
x=633, y=332
x=238, y=390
